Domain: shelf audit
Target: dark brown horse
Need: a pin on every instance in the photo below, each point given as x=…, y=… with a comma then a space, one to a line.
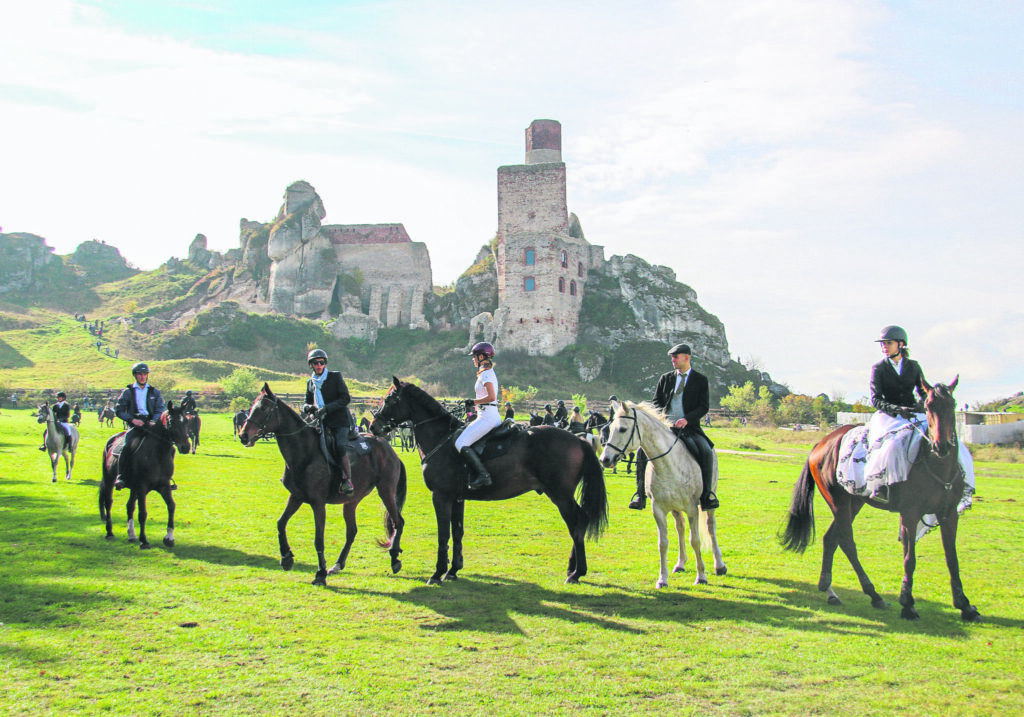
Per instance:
x=545, y=459
x=935, y=485
x=309, y=479
x=192, y=425
x=152, y=468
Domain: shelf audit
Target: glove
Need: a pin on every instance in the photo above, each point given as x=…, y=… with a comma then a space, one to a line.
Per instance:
x=321, y=413
x=905, y=412
x=308, y=408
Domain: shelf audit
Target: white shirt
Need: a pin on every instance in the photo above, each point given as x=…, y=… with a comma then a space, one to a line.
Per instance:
x=898, y=365
x=486, y=376
x=140, y=399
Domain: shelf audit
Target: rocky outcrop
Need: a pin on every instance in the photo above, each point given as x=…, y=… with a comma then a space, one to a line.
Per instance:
x=27, y=265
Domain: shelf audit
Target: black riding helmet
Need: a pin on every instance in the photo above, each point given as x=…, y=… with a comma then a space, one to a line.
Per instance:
x=316, y=354
x=894, y=333
x=140, y=367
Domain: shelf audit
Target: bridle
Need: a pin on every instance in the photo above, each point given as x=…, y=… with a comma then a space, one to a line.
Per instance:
x=636, y=430
x=390, y=424
x=261, y=427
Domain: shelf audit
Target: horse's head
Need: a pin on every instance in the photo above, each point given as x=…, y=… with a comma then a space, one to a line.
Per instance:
x=263, y=416
x=173, y=421
x=393, y=409
x=43, y=414
x=622, y=435
x=940, y=406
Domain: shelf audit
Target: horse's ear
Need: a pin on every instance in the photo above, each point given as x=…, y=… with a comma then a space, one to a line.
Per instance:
x=266, y=390
x=952, y=386
x=398, y=384
x=615, y=405
x=925, y=385
x=170, y=405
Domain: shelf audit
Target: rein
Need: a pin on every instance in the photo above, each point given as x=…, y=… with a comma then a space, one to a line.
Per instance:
x=389, y=424
x=261, y=428
x=636, y=430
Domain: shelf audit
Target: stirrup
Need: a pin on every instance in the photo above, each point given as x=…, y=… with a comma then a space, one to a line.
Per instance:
x=346, y=487
x=639, y=501
x=481, y=480
x=709, y=501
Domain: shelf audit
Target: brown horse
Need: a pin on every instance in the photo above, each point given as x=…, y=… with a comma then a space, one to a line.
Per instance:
x=309, y=479
x=934, y=485
x=192, y=426
x=152, y=469
x=543, y=459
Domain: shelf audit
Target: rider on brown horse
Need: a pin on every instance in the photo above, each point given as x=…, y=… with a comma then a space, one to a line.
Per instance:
x=139, y=405
x=327, y=398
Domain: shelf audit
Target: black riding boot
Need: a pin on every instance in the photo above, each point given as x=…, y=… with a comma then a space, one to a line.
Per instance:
x=482, y=479
x=639, y=501
x=346, y=487
x=708, y=500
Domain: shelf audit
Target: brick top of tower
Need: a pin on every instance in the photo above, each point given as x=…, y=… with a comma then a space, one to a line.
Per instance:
x=544, y=142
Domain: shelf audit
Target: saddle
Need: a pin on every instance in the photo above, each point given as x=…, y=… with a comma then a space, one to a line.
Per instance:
x=357, y=446
x=496, y=442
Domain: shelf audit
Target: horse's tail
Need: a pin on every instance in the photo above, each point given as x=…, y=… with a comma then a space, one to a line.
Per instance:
x=800, y=528
x=400, y=492
x=593, y=495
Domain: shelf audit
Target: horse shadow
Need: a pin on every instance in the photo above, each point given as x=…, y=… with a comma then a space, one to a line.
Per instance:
x=218, y=555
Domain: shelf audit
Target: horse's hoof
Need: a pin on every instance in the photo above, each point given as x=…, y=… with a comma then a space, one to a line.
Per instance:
x=834, y=600
x=433, y=580
x=879, y=604
x=144, y=546
x=133, y=540
x=335, y=569
x=168, y=542
x=909, y=613
x=287, y=561
x=396, y=565
x=451, y=577
x=971, y=615
x=679, y=569
x=701, y=580
x=572, y=580
x=320, y=580
x=721, y=571
x=661, y=584
x=54, y=480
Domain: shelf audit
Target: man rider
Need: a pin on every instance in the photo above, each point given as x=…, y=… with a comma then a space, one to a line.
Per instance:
x=327, y=397
x=188, y=404
x=61, y=417
x=139, y=405
x=684, y=396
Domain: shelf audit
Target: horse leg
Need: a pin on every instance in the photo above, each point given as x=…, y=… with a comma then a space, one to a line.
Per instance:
x=458, y=530
x=661, y=519
x=319, y=521
x=143, y=514
x=908, y=532
x=571, y=514
x=680, y=565
x=169, y=502
x=712, y=526
x=397, y=524
x=349, y=511
x=287, y=557
x=443, y=514
x=71, y=465
x=849, y=548
x=130, y=509
x=694, y=520
x=947, y=529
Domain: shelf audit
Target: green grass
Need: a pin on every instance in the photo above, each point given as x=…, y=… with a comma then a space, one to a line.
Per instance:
x=213, y=626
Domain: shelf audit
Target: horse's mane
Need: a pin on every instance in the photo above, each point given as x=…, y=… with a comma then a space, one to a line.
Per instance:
x=647, y=408
x=423, y=399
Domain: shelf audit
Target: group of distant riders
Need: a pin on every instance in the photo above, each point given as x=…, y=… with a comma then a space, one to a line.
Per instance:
x=682, y=394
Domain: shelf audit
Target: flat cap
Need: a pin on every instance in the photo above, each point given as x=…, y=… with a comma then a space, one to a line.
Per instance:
x=679, y=349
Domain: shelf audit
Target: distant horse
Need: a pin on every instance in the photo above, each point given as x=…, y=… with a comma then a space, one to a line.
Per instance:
x=106, y=416
x=76, y=416
x=57, y=444
x=309, y=479
x=238, y=420
x=152, y=461
x=673, y=482
x=934, y=485
x=536, y=419
x=543, y=459
x=408, y=438
x=192, y=425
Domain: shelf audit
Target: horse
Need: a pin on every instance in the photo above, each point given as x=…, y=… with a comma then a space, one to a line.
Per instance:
x=536, y=419
x=308, y=478
x=673, y=482
x=106, y=416
x=238, y=420
x=545, y=459
x=192, y=425
x=57, y=444
x=408, y=438
x=76, y=416
x=152, y=469
x=934, y=485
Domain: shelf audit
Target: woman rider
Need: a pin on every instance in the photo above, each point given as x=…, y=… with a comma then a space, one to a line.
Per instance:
x=894, y=381
x=576, y=423
x=486, y=403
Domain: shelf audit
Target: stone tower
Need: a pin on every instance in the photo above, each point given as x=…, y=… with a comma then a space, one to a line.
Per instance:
x=542, y=258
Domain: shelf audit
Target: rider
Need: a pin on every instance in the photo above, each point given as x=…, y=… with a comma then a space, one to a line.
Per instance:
x=327, y=397
x=139, y=405
x=561, y=415
x=61, y=417
x=684, y=395
x=549, y=417
x=188, y=404
x=509, y=411
x=576, y=423
x=488, y=418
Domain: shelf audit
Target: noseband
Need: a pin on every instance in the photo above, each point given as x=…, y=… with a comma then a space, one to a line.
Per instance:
x=261, y=428
x=636, y=430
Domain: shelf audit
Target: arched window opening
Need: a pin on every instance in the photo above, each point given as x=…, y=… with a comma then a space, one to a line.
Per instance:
x=572, y=288
x=561, y=285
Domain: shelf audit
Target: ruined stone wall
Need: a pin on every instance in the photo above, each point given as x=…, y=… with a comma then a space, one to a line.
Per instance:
x=396, y=278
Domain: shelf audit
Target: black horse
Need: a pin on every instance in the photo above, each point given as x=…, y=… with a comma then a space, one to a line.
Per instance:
x=238, y=420
x=545, y=459
x=193, y=424
x=152, y=468
x=935, y=485
x=309, y=479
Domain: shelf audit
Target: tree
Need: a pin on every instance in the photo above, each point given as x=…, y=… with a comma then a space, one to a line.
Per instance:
x=757, y=402
x=241, y=383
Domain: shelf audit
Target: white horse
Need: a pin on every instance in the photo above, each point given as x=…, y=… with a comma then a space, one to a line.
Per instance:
x=57, y=444
x=673, y=482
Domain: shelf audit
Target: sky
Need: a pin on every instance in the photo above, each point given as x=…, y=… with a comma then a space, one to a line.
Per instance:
x=814, y=169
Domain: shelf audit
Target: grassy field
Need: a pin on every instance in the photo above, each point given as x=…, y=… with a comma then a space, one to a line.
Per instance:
x=213, y=626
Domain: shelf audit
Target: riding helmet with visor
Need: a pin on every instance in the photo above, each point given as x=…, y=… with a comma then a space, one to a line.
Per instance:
x=893, y=333
x=316, y=354
x=140, y=367
x=482, y=348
